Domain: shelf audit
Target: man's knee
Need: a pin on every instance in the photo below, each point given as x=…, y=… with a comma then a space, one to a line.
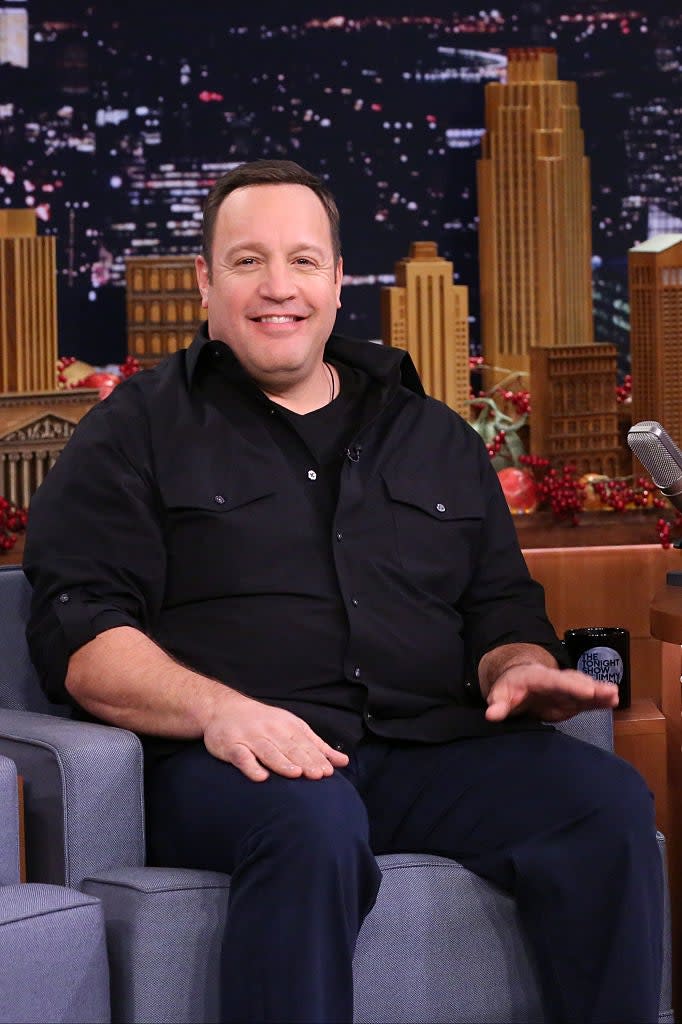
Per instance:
x=624, y=796
x=313, y=820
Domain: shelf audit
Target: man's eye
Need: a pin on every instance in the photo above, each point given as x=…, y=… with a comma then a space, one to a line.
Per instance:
x=246, y=261
x=304, y=261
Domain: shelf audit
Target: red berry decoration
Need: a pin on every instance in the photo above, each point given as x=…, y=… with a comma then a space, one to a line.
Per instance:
x=560, y=490
x=12, y=522
x=130, y=367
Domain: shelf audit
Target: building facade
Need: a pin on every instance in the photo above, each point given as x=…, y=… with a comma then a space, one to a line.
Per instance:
x=655, y=287
x=575, y=413
x=163, y=306
x=34, y=428
x=535, y=234
x=427, y=315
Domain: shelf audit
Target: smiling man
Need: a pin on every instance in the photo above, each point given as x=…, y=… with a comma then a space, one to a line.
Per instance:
x=272, y=287
x=296, y=577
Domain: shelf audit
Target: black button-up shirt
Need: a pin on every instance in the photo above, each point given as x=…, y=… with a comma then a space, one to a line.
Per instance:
x=358, y=586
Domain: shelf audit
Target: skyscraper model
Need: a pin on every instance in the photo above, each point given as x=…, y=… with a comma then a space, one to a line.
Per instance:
x=36, y=419
x=655, y=286
x=426, y=314
x=535, y=217
x=28, y=305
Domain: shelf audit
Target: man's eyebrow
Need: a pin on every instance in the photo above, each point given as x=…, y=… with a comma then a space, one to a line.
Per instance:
x=254, y=246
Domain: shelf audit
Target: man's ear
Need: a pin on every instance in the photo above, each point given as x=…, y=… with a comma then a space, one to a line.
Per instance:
x=338, y=278
x=203, y=279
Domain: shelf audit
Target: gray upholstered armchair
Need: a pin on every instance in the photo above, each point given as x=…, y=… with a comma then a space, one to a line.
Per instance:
x=53, y=960
x=440, y=944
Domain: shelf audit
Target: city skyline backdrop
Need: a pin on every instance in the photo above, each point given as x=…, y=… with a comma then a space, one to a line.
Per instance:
x=114, y=124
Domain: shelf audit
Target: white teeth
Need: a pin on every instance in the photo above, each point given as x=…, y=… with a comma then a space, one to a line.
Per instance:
x=277, y=319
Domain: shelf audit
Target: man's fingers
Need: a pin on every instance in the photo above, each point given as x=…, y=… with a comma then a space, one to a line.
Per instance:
x=552, y=694
x=332, y=754
x=262, y=739
x=247, y=763
x=312, y=761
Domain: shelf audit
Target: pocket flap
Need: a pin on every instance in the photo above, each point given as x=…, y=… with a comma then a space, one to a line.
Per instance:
x=224, y=497
x=441, y=501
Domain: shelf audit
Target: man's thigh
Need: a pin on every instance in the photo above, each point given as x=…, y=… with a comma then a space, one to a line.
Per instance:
x=203, y=812
x=477, y=800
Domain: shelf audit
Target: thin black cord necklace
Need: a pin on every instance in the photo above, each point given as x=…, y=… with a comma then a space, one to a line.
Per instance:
x=332, y=383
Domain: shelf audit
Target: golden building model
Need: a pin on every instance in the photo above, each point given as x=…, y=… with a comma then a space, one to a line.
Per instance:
x=426, y=314
x=655, y=286
x=28, y=305
x=534, y=215
x=163, y=306
x=575, y=412
x=36, y=420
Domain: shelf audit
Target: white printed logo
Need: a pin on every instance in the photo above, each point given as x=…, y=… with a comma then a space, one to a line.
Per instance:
x=602, y=663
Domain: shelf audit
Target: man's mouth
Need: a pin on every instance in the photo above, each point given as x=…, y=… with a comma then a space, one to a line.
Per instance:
x=277, y=319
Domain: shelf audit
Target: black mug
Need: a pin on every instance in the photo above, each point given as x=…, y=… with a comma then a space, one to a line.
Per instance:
x=602, y=652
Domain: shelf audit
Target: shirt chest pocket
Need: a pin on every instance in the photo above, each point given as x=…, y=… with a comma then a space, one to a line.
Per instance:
x=437, y=532
x=216, y=538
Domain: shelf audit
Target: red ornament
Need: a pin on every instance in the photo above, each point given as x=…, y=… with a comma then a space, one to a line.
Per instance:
x=105, y=382
x=519, y=489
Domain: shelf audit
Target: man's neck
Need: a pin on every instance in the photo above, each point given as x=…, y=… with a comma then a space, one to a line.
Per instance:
x=315, y=393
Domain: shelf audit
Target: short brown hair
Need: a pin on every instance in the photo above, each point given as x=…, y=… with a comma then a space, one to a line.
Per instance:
x=267, y=172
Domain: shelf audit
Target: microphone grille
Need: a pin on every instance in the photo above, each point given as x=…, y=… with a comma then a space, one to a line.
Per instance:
x=656, y=451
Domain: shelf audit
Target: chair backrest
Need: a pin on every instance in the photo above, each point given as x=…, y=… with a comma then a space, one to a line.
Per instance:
x=19, y=685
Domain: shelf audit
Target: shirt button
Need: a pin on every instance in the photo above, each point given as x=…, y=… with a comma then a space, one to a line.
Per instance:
x=440, y=507
x=369, y=716
x=219, y=500
x=338, y=746
x=312, y=475
x=356, y=671
x=339, y=535
x=63, y=598
x=354, y=601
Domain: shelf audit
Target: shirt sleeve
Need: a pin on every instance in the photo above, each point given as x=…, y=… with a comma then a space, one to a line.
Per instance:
x=94, y=549
x=502, y=604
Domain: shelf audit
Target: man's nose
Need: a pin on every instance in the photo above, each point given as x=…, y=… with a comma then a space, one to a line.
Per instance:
x=278, y=282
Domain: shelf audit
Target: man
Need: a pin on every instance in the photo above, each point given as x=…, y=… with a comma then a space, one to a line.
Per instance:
x=295, y=576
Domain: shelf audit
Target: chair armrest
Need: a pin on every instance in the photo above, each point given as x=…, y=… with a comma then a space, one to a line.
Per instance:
x=595, y=726
x=53, y=956
x=83, y=791
x=9, y=816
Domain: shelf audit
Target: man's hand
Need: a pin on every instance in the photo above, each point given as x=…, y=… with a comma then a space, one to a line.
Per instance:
x=551, y=694
x=255, y=737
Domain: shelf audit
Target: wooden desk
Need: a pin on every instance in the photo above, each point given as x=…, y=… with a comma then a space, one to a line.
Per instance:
x=22, y=830
x=666, y=626
x=639, y=734
x=608, y=586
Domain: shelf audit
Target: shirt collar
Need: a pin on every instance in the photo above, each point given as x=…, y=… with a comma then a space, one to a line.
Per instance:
x=386, y=364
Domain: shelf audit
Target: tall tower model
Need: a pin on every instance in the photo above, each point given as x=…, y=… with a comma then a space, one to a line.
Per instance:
x=36, y=420
x=655, y=284
x=426, y=314
x=28, y=306
x=534, y=212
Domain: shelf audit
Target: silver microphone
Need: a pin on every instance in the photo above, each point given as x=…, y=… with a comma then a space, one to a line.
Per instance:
x=657, y=452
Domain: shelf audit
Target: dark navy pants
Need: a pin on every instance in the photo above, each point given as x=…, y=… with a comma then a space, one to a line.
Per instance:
x=564, y=827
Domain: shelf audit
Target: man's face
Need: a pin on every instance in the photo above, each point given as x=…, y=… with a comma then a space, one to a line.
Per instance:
x=274, y=288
